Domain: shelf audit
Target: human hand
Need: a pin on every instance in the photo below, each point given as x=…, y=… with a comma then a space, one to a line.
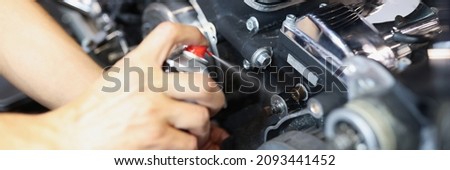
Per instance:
x=218, y=135
x=145, y=118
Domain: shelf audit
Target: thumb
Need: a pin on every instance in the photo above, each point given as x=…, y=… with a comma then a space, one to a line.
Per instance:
x=155, y=48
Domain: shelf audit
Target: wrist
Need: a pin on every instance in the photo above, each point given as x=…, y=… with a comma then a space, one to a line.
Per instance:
x=55, y=130
x=61, y=127
x=72, y=123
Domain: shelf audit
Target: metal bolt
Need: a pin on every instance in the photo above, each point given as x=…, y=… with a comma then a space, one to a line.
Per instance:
x=247, y=65
x=277, y=108
x=278, y=105
x=263, y=60
x=323, y=5
x=291, y=18
x=316, y=108
x=300, y=93
x=252, y=24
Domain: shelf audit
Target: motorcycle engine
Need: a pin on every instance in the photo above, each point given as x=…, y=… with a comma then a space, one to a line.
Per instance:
x=300, y=74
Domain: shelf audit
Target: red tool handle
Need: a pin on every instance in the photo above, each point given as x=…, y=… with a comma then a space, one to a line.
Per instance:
x=199, y=51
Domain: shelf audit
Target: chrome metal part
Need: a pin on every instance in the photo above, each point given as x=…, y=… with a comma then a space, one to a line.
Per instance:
x=184, y=61
x=206, y=27
x=322, y=5
x=363, y=7
x=334, y=33
x=252, y=25
x=93, y=10
x=366, y=78
x=389, y=9
x=247, y=65
x=290, y=18
x=284, y=103
x=378, y=115
x=262, y=58
x=316, y=108
x=94, y=29
x=87, y=7
x=283, y=120
x=279, y=105
x=427, y=24
x=366, y=116
x=184, y=12
x=178, y=12
x=271, y=5
x=300, y=93
x=370, y=123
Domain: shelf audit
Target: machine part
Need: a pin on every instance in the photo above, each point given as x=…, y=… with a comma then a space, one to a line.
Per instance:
x=279, y=105
x=323, y=5
x=173, y=11
x=294, y=140
x=184, y=60
x=366, y=78
x=389, y=9
x=443, y=119
x=262, y=58
x=252, y=25
x=370, y=121
x=284, y=103
x=208, y=28
x=96, y=32
x=300, y=93
x=10, y=97
x=248, y=115
x=230, y=21
x=421, y=26
x=199, y=51
x=180, y=11
x=271, y=5
x=336, y=32
x=322, y=104
x=247, y=65
x=82, y=30
x=290, y=18
x=114, y=47
x=88, y=7
x=93, y=10
x=270, y=1
x=284, y=120
x=381, y=113
x=302, y=69
x=380, y=11
x=403, y=63
x=362, y=7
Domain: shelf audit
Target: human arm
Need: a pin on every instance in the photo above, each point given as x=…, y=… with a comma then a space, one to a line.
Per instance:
x=39, y=58
x=128, y=120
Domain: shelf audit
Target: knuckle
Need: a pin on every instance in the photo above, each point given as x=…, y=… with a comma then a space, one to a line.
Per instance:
x=157, y=133
x=203, y=115
x=153, y=109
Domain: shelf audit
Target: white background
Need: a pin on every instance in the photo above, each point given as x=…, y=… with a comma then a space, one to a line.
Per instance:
x=104, y=160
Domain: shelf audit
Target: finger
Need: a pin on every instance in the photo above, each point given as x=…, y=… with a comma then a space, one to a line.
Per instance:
x=218, y=135
x=211, y=146
x=214, y=147
x=179, y=140
x=207, y=145
x=190, y=117
x=198, y=88
x=160, y=42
